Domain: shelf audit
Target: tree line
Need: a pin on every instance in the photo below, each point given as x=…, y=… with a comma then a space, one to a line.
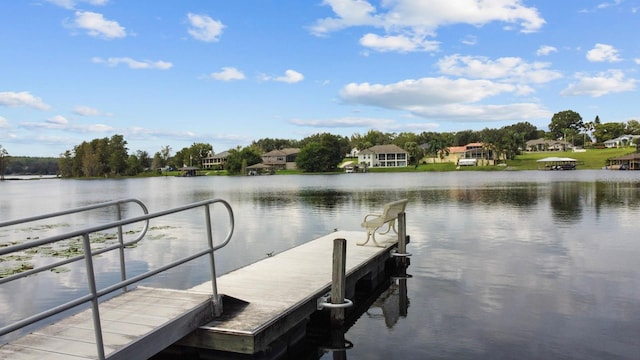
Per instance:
x=110, y=157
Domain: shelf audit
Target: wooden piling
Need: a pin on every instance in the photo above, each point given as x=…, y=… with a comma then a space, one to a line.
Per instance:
x=402, y=239
x=338, y=281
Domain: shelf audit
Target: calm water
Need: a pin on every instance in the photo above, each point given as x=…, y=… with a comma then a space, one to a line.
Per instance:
x=530, y=265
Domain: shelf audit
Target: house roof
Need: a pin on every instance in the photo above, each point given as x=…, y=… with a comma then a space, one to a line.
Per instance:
x=634, y=156
x=457, y=149
x=285, y=152
x=556, y=159
x=259, y=166
x=385, y=149
x=621, y=138
x=545, y=141
x=221, y=155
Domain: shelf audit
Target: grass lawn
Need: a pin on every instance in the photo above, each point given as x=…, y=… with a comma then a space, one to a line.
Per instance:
x=590, y=159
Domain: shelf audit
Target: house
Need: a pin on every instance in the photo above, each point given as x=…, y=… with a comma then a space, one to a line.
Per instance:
x=383, y=156
x=217, y=161
x=475, y=153
x=547, y=145
x=281, y=159
x=622, y=141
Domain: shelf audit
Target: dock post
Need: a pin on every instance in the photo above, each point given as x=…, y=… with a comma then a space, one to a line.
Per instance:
x=338, y=281
x=402, y=238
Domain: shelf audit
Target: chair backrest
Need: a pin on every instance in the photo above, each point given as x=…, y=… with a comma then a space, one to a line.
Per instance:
x=392, y=209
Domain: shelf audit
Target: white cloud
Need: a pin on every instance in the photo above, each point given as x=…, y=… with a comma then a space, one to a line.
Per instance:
x=85, y=111
x=96, y=25
x=545, y=50
x=349, y=13
x=23, y=98
x=134, y=64
x=637, y=61
x=443, y=98
x=470, y=40
x=58, y=120
x=4, y=123
x=364, y=122
x=408, y=94
x=605, y=5
x=228, y=74
x=603, y=53
x=612, y=81
x=510, y=69
x=347, y=122
x=404, y=21
x=290, y=77
x=204, y=28
x=71, y=4
x=399, y=43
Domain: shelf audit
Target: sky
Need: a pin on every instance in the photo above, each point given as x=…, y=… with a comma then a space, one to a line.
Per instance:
x=226, y=73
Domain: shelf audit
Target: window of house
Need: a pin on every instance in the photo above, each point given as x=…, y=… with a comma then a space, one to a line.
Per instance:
x=391, y=156
x=381, y=156
x=402, y=156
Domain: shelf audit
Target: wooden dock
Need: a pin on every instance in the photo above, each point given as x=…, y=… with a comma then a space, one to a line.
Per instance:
x=279, y=292
x=136, y=325
x=263, y=301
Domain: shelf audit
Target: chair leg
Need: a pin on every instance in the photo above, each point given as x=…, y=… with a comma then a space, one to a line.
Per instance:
x=368, y=237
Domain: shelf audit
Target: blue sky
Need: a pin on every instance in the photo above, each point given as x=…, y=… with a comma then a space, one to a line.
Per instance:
x=230, y=72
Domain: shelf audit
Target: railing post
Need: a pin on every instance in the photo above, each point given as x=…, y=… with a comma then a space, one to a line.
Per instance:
x=91, y=278
x=216, y=299
x=338, y=281
x=123, y=270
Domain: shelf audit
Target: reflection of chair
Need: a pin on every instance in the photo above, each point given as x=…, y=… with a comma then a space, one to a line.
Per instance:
x=373, y=222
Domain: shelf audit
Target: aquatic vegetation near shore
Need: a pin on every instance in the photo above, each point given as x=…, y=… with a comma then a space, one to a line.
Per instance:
x=23, y=261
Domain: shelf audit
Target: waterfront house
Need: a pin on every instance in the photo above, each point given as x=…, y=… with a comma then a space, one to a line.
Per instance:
x=547, y=145
x=281, y=159
x=383, y=156
x=475, y=153
x=217, y=161
x=622, y=141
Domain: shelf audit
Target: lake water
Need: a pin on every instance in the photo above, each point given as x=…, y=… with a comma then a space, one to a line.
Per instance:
x=510, y=264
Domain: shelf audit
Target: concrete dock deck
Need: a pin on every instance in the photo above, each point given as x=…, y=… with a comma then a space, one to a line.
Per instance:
x=277, y=293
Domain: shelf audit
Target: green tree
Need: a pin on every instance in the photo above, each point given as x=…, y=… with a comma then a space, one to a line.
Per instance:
x=268, y=144
x=608, y=131
x=632, y=128
x=65, y=164
x=240, y=158
x=4, y=160
x=312, y=158
x=118, y=155
x=371, y=138
x=565, y=123
x=330, y=150
x=465, y=137
x=415, y=153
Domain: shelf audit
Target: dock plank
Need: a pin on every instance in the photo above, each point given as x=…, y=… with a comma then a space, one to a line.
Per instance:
x=136, y=325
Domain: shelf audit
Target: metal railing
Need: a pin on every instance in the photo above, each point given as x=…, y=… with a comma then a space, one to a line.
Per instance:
x=118, y=204
x=88, y=254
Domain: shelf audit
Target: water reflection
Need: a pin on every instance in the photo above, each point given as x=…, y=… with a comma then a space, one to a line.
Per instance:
x=505, y=265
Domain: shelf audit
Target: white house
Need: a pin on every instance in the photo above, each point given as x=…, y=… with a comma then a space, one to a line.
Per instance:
x=384, y=156
x=621, y=141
